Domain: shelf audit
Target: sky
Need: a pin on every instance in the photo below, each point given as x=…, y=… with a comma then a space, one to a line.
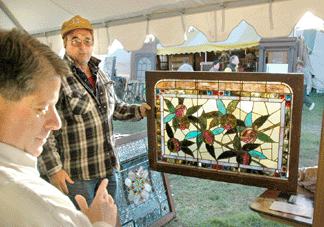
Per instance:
x=309, y=21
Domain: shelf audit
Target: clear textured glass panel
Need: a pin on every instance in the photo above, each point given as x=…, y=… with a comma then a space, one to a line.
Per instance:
x=143, y=196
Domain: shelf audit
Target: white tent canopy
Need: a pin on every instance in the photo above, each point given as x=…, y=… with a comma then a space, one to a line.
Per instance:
x=130, y=21
x=243, y=36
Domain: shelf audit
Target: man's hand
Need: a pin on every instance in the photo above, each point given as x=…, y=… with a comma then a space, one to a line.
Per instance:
x=103, y=207
x=59, y=181
x=144, y=108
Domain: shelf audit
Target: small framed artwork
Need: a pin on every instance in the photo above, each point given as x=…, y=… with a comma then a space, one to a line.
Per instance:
x=144, y=197
x=234, y=127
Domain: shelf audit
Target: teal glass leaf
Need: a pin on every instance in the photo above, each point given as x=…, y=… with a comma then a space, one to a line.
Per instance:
x=221, y=106
x=169, y=117
x=256, y=154
x=264, y=137
x=192, y=134
x=218, y=131
x=248, y=120
x=169, y=105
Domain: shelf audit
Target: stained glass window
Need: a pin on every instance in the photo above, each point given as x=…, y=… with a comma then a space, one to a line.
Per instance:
x=226, y=126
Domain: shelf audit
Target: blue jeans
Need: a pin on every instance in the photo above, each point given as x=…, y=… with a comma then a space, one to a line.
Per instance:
x=88, y=188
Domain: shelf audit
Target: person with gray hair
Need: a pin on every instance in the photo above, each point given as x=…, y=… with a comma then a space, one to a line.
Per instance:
x=30, y=82
x=233, y=65
x=215, y=67
x=185, y=66
x=307, y=84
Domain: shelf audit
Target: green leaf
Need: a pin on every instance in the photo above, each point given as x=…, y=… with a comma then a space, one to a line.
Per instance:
x=265, y=138
x=169, y=130
x=250, y=146
x=186, y=143
x=203, y=123
x=187, y=151
x=260, y=121
x=199, y=141
x=232, y=106
x=175, y=123
x=169, y=105
x=211, y=150
x=240, y=123
x=214, y=122
x=181, y=101
x=226, y=154
x=214, y=114
x=193, y=119
x=231, y=131
x=240, y=128
x=193, y=110
x=237, y=143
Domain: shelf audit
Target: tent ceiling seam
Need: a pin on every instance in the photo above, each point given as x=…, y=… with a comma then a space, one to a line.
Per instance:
x=171, y=13
x=11, y=16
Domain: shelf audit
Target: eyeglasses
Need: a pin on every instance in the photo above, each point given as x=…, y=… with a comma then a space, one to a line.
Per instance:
x=77, y=42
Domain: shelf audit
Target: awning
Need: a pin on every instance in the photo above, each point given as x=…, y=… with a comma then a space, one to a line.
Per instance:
x=130, y=21
x=206, y=47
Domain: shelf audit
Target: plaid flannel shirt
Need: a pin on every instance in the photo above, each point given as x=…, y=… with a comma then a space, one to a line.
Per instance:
x=84, y=146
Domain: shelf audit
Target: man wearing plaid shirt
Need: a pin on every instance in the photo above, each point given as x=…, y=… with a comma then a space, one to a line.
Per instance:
x=78, y=156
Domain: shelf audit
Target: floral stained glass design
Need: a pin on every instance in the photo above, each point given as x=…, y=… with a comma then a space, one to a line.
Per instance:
x=138, y=185
x=238, y=126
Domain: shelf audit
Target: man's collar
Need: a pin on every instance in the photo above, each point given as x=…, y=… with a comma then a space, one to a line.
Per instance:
x=93, y=60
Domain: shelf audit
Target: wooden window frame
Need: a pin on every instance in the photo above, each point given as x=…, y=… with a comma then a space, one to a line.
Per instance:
x=295, y=81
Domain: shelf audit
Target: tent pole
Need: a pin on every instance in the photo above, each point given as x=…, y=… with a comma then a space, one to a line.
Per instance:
x=11, y=16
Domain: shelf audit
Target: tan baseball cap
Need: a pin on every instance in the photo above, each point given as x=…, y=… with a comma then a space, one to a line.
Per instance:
x=75, y=23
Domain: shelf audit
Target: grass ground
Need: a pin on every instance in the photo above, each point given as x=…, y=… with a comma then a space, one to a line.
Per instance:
x=200, y=202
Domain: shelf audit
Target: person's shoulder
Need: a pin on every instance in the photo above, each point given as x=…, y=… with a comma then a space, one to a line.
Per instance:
x=40, y=199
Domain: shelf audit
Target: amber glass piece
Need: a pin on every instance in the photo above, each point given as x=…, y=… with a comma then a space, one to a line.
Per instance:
x=166, y=84
x=185, y=85
x=254, y=87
